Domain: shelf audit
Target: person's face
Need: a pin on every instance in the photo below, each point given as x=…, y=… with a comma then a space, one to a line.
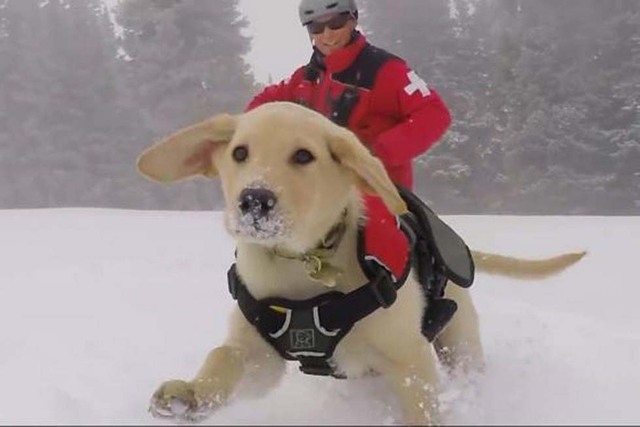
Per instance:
x=331, y=32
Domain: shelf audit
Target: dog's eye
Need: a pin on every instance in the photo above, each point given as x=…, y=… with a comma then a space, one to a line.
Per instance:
x=302, y=157
x=240, y=153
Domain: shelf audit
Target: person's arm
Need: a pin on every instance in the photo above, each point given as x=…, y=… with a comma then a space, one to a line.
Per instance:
x=277, y=92
x=425, y=117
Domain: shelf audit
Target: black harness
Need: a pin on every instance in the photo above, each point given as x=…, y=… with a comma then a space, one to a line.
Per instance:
x=308, y=331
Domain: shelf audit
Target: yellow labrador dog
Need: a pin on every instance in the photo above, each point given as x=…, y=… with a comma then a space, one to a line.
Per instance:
x=289, y=175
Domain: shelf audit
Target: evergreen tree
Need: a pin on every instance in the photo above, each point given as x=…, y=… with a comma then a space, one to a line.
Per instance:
x=184, y=63
x=59, y=89
x=544, y=98
x=558, y=135
x=444, y=43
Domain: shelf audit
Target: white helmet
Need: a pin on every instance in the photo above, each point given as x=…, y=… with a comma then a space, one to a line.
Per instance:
x=312, y=9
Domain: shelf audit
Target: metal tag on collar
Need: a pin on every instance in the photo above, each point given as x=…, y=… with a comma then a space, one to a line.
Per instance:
x=313, y=264
x=322, y=272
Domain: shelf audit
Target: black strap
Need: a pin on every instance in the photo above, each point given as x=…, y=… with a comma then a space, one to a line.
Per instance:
x=314, y=68
x=363, y=71
x=249, y=306
x=318, y=366
x=343, y=106
x=358, y=304
x=340, y=311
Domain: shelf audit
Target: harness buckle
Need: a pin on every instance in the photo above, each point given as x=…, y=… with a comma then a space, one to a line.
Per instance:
x=315, y=366
x=383, y=289
x=317, y=370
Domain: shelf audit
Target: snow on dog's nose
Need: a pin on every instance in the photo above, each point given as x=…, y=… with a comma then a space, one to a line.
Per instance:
x=257, y=216
x=257, y=202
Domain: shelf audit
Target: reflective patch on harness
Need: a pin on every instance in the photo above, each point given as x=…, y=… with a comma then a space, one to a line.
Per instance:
x=316, y=322
x=278, y=309
x=302, y=339
x=285, y=325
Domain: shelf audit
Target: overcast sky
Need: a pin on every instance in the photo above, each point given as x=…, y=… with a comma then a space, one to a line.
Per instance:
x=279, y=43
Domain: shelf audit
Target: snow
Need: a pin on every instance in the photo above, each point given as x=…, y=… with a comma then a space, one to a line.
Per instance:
x=98, y=307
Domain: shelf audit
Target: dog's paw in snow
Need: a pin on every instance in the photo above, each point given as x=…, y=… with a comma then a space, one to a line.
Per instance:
x=181, y=400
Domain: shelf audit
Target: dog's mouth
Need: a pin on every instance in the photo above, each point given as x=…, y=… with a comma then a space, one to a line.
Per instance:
x=263, y=229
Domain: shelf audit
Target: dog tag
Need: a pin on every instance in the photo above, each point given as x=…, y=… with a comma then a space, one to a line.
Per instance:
x=322, y=272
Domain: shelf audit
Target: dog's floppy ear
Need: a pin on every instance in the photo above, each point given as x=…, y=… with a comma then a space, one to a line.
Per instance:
x=187, y=152
x=371, y=174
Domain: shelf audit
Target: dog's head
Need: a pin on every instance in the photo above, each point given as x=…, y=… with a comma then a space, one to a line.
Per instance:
x=287, y=172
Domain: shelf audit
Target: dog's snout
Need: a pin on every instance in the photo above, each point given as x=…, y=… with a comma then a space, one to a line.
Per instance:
x=257, y=202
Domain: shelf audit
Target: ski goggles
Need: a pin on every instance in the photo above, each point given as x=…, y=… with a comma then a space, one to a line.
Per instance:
x=335, y=23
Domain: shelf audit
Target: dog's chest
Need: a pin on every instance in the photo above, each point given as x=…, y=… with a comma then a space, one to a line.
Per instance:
x=267, y=275
x=268, y=278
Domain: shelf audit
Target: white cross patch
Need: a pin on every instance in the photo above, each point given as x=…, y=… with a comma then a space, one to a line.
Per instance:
x=415, y=84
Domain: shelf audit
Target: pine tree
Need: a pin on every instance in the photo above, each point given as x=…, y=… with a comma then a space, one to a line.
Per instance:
x=558, y=135
x=544, y=98
x=186, y=58
x=441, y=40
x=185, y=64
x=56, y=85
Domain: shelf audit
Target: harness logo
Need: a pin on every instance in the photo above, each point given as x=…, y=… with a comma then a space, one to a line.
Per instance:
x=302, y=339
x=416, y=83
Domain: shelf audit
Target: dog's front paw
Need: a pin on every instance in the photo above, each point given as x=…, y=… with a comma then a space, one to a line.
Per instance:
x=180, y=400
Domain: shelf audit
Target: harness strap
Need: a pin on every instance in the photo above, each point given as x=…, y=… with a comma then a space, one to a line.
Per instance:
x=358, y=304
x=239, y=292
x=336, y=312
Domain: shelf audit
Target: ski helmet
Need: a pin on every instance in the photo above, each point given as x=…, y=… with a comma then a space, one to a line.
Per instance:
x=312, y=9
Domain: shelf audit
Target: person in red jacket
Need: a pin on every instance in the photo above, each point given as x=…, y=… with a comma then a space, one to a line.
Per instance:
x=364, y=88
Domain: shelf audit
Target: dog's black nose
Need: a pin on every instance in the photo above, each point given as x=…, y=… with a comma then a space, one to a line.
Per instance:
x=257, y=202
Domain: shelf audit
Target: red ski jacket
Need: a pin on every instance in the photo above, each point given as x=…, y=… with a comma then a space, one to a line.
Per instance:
x=394, y=113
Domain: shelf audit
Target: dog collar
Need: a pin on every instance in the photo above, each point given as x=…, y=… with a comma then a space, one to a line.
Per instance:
x=314, y=260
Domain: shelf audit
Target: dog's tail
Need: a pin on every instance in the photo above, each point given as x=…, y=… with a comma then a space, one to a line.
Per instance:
x=524, y=268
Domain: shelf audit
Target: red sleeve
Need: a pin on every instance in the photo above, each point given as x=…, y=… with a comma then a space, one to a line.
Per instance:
x=425, y=117
x=278, y=92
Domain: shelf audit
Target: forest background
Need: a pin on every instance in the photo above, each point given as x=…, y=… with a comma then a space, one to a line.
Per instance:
x=545, y=96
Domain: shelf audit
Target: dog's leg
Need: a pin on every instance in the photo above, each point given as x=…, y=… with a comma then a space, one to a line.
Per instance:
x=245, y=354
x=458, y=346
x=211, y=387
x=411, y=373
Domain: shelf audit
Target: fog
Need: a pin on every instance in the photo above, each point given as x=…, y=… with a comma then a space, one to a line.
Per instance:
x=545, y=96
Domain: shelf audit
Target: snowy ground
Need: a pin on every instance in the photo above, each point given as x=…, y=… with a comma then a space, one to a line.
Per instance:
x=97, y=307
